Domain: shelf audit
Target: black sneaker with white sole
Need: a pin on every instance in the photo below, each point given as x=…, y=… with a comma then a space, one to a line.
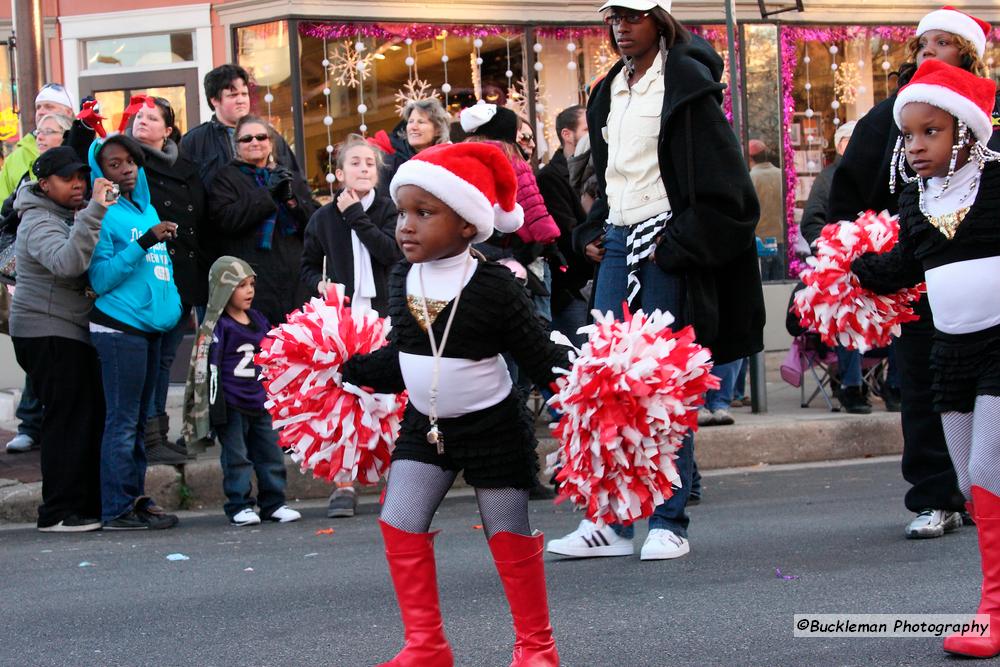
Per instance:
x=72, y=524
x=141, y=520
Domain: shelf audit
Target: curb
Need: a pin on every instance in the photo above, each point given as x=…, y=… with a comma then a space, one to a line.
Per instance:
x=199, y=484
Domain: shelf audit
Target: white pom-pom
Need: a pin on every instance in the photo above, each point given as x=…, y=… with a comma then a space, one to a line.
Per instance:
x=571, y=65
x=834, y=49
x=329, y=148
x=478, y=43
x=408, y=41
x=445, y=87
x=330, y=178
x=363, y=128
x=885, y=47
x=537, y=47
x=362, y=66
x=508, y=74
x=359, y=46
x=326, y=63
x=268, y=98
x=479, y=61
x=444, y=58
x=327, y=91
x=508, y=221
x=885, y=65
x=834, y=66
x=809, y=113
x=835, y=104
x=571, y=47
x=808, y=86
x=861, y=64
x=807, y=59
x=362, y=108
x=538, y=67
x=540, y=108
x=328, y=120
x=409, y=61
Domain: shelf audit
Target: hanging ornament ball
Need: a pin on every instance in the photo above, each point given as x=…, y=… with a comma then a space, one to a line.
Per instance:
x=445, y=87
x=326, y=62
x=409, y=61
x=808, y=86
x=359, y=46
x=811, y=165
x=268, y=98
x=885, y=47
x=538, y=67
x=571, y=65
x=836, y=121
x=833, y=66
x=571, y=47
x=540, y=108
x=807, y=60
x=408, y=41
x=479, y=61
x=327, y=91
x=478, y=43
x=834, y=49
x=328, y=120
x=508, y=74
x=537, y=47
x=329, y=148
x=861, y=64
x=363, y=128
x=885, y=65
x=444, y=58
x=362, y=108
x=330, y=178
x=862, y=90
x=603, y=59
x=362, y=65
x=835, y=104
x=809, y=113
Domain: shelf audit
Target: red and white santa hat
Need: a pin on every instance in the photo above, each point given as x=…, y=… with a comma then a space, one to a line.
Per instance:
x=961, y=93
x=474, y=179
x=958, y=23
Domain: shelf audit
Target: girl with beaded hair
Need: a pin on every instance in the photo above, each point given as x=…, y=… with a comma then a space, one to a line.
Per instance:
x=860, y=183
x=949, y=235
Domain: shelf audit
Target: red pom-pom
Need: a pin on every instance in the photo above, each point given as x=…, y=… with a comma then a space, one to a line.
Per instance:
x=834, y=304
x=629, y=399
x=339, y=431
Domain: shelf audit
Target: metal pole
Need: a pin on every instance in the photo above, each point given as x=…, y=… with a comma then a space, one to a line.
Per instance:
x=758, y=384
x=734, y=89
x=29, y=57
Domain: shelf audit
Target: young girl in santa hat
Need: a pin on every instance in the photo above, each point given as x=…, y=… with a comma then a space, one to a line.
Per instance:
x=453, y=316
x=949, y=236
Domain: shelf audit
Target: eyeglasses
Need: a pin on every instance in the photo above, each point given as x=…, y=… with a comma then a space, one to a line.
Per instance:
x=48, y=132
x=633, y=18
x=247, y=138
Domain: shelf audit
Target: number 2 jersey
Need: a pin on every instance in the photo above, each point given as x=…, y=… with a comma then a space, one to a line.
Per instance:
x=230, y=360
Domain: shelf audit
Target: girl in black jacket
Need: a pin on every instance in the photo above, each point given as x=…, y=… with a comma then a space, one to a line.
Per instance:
x=260, y=210
x=355, y=233
x=656, y=120
x=178, y=195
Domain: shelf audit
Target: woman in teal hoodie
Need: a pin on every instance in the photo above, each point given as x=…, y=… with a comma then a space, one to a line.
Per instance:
x=137, y=302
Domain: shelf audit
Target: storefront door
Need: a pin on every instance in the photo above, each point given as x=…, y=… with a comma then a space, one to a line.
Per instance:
x=180, y=87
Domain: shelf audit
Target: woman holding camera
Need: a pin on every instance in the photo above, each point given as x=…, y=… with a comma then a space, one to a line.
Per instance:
x=137, y=302
x=260, y=210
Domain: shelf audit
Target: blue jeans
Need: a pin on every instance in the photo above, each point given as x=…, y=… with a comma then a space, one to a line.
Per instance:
x=543, y=304
x=250, y=444
x=721, y=398
x=169, y=342
x=665, y=291
x=740, y=388
x=849, y=363
x=129, y=365
x=29, y=412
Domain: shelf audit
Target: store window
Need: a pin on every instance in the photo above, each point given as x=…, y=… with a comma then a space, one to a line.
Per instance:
x=264, y=50
x=142, y=51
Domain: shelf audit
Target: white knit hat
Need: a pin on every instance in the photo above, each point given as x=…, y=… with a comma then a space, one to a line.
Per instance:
x=474, y=179
x=958, y=23
x=57, y=94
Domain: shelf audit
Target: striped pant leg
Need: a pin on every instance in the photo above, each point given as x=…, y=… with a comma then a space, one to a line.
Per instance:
x=958, y=428
x=984, y=463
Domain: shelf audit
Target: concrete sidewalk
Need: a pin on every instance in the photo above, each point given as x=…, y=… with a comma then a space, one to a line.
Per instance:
x=788, y=433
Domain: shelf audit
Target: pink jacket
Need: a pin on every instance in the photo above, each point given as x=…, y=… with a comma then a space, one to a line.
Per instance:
x=539, y=227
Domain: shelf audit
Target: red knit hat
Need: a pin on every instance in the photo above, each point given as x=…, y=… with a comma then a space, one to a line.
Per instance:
x=474, y=179
x=958, y=23
x=964, y=95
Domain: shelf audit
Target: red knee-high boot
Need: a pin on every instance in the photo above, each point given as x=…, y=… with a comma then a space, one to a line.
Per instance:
x=986, y=512
x=414, y=576
x=519, y=561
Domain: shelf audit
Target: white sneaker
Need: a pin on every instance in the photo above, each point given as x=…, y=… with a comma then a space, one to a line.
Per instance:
x=246, y=517
x=284, y=514
x=705, y=417
x=721, y=417
x=588, y=541
x=662, y=544
x=20, y=443
x=933, y=523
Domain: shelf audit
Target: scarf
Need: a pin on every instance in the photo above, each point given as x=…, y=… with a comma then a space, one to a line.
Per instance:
x=364, y=277
x=280, y=219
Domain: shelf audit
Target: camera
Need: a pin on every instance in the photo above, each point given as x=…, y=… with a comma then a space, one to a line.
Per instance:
x=113, y=193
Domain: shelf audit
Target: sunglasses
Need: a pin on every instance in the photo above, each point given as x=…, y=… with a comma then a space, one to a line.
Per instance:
x=247, y=138
x=632, y=18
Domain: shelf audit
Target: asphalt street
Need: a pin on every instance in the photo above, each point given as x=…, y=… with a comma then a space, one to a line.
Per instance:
x=285, y=595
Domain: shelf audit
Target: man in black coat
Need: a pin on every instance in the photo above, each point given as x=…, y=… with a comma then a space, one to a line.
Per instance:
x=569, y=307
x=210, y=145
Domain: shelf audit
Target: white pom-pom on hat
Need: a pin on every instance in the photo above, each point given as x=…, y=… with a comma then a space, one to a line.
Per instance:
x=477, y=115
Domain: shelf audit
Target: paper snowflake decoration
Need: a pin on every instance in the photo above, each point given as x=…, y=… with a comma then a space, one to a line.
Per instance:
x=415, y=90
x=604, y=59
x=517, y=100
x=846, y=81
x=349, y=67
